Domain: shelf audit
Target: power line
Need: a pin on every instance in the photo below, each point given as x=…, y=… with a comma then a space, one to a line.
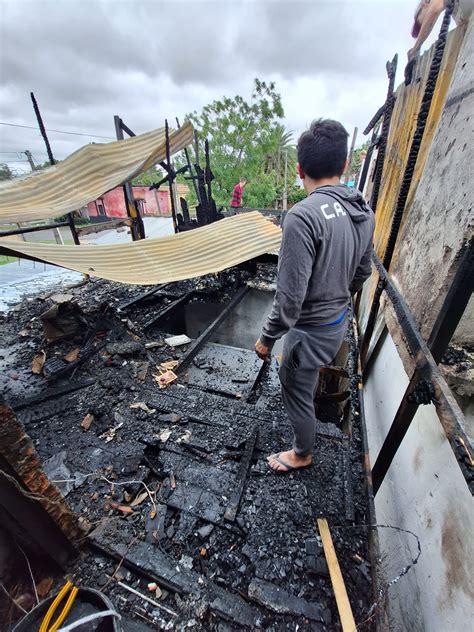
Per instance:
x=59, y=131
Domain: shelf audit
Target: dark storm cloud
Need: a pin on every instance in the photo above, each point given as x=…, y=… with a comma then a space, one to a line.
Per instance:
x=87, y=60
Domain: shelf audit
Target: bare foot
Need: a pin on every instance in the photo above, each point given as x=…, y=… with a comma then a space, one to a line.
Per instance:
x=288, y=461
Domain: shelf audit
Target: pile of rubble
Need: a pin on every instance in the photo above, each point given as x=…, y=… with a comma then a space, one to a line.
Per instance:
x=162, y=457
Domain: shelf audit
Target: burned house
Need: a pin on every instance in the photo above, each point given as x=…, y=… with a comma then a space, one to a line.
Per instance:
x=135, y=422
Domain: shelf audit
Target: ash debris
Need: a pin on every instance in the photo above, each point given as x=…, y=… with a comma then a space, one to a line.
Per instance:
x=152, y=472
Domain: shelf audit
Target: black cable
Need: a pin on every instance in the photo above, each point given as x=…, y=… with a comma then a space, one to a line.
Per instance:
x=59, y=131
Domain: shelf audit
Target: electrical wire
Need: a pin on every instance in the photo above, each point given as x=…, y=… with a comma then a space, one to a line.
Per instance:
x=12, y=599
x=30, y=571
x=59, y=131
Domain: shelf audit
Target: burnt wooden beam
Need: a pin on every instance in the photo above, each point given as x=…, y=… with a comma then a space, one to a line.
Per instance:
x=39, y=118
x=373, y=536
x=24, y=518
x=400, y=425
x=100, y=226
x=27, y=496
x=347, y=481
x=280, y=601
x=244, y=468
x=137, y=228
x=426, y=371
x=148, y=561
x=168, y=309
x=454, y=304
x=31, y=229
x=51, y=393
x=123, y=306
x=196, y=345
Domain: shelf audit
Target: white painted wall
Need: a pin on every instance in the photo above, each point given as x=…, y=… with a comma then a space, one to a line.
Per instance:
x=425, y=493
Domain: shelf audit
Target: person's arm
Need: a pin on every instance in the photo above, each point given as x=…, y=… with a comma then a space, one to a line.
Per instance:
x=296, y=260
x=364, y=270
x=430, y=15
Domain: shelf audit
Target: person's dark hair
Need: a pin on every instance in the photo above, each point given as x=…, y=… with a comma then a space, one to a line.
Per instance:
x=322, y=150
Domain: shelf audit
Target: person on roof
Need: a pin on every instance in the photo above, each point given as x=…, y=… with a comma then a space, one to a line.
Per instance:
x=426, y=15
x=325, y=257
x=236, y=201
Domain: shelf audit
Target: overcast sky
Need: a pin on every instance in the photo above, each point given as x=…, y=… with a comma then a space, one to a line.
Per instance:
x=87, y=60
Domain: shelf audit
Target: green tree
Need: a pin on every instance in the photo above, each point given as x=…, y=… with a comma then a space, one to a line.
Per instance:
x=149, y=177
x=5, y=172
x=282, y=151
x=246, y=140
x=295, y=194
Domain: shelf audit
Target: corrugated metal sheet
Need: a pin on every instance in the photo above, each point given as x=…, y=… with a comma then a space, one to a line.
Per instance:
x=85, y=175
x=210, y=249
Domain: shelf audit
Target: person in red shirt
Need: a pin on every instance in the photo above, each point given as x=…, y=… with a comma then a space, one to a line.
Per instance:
x=238, y=193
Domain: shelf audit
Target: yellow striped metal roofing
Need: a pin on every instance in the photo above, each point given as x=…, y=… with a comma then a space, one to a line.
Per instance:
x=193, y=253
x=85, y=175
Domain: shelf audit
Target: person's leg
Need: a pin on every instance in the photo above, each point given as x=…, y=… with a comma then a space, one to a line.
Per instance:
x=297, y=388
x=298, y=399
x=304, y=352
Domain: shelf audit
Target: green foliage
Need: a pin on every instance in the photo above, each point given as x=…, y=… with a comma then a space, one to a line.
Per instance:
x=78, y=220
x=246, y=140
x=5, y=172
x=295, y=194
x=44, y=165
x=149, y=177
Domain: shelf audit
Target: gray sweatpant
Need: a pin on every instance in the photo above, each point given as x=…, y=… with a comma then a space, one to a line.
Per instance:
x=305, y=351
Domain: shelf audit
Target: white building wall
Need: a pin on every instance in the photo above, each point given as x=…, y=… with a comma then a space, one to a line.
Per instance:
x=424, y=492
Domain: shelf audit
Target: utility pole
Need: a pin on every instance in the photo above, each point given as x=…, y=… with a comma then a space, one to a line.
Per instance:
x=349, y=159
x=29, y=157
x=52, y=161
x=285, y=190
x=57, y=235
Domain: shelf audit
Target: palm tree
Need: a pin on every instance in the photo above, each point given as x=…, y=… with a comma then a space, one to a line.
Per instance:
x=282, y=154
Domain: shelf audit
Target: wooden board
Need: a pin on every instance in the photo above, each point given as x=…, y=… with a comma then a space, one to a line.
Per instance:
x=340, y=592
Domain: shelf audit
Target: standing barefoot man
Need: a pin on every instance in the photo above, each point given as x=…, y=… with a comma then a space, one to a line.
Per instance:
x=325, y=256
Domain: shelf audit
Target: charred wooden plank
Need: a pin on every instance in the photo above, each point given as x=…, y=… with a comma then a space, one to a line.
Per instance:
x=168, y=309
x=51, y=393
x=347, y=482
x=124, y=306
x=29, y=501
x=207, y=333
x=278, y=600
x=148, y=561
x=245, y=463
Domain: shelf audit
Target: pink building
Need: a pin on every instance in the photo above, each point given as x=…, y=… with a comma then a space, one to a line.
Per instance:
x=155, y=203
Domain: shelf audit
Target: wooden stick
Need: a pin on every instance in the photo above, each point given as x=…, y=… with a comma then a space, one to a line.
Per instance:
x=342, y=600
x=139, y=594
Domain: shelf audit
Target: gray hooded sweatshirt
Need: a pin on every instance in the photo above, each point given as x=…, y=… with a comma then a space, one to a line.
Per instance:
x=325, y=256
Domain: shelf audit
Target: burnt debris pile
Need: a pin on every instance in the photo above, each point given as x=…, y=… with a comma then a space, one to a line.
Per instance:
x=154, y=416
